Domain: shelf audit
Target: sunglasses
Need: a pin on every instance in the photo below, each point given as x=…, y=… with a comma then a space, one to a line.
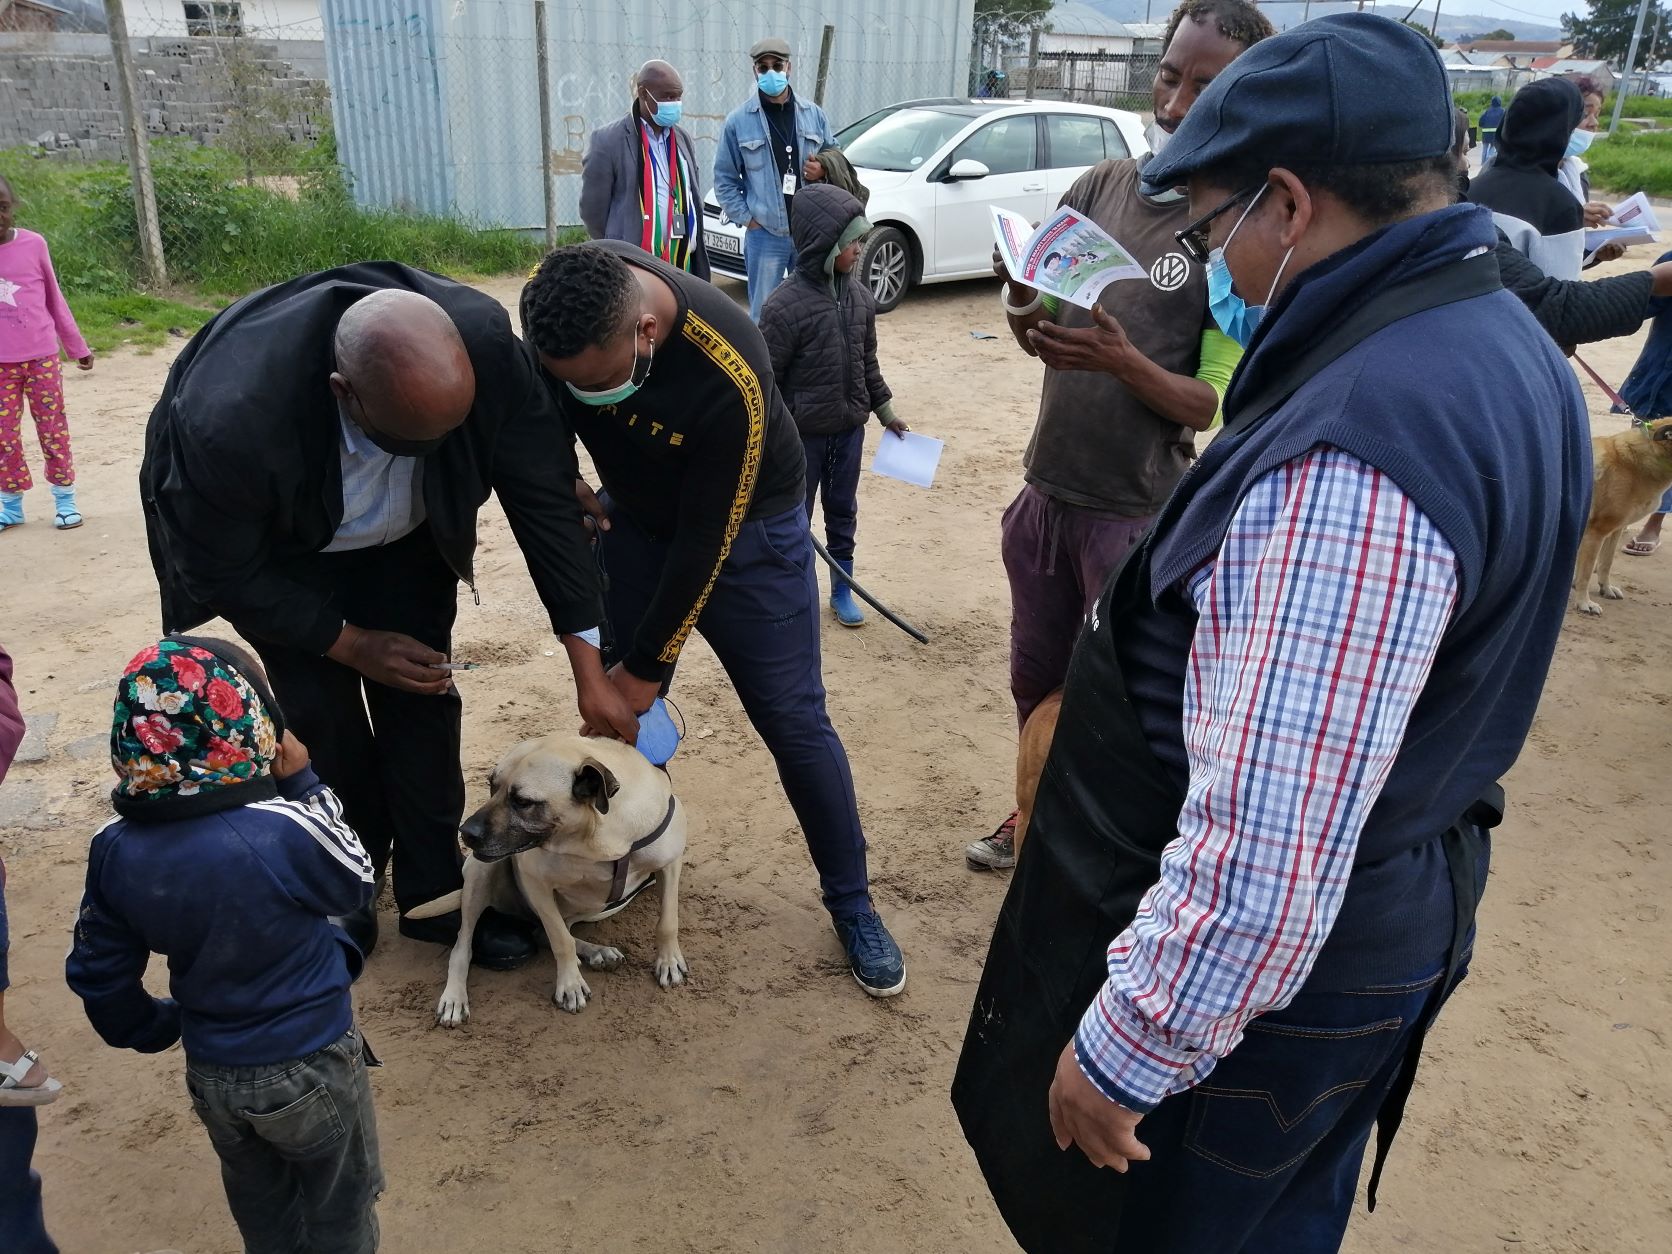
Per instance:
x=1194, y=238
x=771, y=63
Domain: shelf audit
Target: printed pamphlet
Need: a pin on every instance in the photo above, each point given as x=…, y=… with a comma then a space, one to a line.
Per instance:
x=1069, y=256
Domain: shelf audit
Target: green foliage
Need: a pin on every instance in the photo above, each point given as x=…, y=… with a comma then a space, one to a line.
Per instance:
x=223, y=235
x=1500, y=33
x=1633, y=162
x=1424, y=32
x=1010, y=8
x=1605, y=32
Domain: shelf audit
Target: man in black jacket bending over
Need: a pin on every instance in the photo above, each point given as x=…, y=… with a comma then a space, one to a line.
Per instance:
x=312, y=474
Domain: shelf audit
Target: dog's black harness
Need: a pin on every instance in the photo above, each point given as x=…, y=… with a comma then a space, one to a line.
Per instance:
x=618, y=869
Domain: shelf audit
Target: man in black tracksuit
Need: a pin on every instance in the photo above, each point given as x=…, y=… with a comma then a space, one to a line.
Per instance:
x=703, y=527
x=312, y=474
x=821, y=329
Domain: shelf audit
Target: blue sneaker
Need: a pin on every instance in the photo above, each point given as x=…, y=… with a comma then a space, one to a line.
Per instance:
x=873, y=957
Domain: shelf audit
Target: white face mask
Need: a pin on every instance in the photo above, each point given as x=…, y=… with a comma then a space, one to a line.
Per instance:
x=1157, y=138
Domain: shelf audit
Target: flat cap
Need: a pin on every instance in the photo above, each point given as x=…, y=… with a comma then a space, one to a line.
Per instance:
x=1347, y=89
x=771, y=46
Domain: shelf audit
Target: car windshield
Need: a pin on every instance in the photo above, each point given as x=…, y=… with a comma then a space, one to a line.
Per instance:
x=904, y=139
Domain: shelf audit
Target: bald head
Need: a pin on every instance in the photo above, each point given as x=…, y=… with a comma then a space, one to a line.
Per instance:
x=661, y=81
x=402, y=367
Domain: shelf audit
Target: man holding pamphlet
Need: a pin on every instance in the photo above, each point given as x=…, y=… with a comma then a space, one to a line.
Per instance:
x=1135, y=365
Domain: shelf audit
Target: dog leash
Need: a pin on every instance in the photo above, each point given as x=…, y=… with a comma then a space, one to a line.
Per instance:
x=1618, y=401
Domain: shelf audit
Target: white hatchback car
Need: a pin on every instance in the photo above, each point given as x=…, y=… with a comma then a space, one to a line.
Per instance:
x=934, y=167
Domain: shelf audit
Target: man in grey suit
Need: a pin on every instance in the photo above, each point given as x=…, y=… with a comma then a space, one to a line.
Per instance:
x=640, y=180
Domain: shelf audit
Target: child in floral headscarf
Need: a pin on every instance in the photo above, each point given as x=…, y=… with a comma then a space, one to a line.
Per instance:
x=231, y=858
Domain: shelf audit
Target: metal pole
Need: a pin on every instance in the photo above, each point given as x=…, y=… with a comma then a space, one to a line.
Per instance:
x=1306, y=13
x=1033, y=61
x=824, y=65
x=1631, y=60
x=542, y=62
x=138, y=146
x=1435, y=32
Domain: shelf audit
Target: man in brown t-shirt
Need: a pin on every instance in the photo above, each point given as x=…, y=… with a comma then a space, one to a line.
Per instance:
x=1127, y=386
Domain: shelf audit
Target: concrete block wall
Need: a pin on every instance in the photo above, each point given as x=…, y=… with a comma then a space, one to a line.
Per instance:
x=62, y=98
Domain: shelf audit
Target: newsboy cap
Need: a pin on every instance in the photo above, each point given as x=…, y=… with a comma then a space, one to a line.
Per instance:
x=1347, y=89
x=771, y=46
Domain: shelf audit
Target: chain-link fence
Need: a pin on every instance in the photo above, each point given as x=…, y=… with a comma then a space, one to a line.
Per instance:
x=289, y=135
x=1071, y=52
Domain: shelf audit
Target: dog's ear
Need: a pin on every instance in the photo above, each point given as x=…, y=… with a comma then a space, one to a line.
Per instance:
x=1663, y=431
x=594, y=785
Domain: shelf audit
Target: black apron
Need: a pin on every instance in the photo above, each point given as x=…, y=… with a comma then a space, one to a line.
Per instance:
x=1105, y=810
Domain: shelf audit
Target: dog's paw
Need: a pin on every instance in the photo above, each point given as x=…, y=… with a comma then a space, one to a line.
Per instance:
x=1613, y=592
x=600, y=957
x=453, y=1009
x=572, y=991
x=671, y=968
x=1590, y=607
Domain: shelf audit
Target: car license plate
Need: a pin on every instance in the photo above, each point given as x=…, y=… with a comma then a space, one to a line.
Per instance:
x=722, y=243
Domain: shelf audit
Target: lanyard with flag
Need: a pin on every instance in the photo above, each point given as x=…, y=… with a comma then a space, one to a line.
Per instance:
x=668, y=226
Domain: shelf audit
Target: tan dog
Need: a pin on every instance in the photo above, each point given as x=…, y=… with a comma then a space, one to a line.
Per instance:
x=1031, y=752
x=574, y=829
x=1633, y=470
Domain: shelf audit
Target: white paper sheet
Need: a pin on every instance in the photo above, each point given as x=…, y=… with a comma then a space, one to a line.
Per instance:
x=912, y=459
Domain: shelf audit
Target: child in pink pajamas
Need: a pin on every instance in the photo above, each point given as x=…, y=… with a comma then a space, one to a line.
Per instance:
x=34, y=319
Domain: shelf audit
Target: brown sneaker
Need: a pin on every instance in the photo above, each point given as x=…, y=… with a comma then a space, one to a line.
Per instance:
x=996, y=852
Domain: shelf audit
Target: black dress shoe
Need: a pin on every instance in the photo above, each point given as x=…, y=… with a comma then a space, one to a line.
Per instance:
x=501, y=943
x=361, y=927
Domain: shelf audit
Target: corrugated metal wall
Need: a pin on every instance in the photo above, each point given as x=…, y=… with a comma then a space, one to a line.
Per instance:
x=437, y=108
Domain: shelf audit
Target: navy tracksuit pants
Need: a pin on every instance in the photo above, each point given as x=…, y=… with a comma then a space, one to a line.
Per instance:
x=762, y=622
x=833, y=463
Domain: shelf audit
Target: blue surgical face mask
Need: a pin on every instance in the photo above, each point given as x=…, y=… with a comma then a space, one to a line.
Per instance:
x=1578, y=142
x=772, y=82
x=635, y=381
x=668, y=112
x=1233, y=315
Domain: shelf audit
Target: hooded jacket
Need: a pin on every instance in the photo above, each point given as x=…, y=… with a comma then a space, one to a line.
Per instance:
x=1542, y=219
x=821, y=326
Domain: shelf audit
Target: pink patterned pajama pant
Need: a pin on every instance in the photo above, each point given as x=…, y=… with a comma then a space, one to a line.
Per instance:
x=41, y=384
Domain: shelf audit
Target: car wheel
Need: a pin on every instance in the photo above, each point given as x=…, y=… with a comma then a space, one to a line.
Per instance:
x=885, y=262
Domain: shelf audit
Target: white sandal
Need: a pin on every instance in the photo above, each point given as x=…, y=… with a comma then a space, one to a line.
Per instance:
x=13, y=1092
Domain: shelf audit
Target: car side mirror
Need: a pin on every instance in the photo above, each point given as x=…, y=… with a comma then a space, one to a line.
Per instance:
x=966, y=170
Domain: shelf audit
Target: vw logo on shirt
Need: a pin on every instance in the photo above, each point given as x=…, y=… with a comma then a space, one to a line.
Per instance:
x=1170, y=272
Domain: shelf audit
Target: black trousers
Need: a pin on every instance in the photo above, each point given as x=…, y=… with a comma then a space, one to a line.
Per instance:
x=392, y=756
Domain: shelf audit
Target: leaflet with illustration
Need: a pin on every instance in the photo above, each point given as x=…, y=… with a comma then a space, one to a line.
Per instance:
x=1069, y=256
x=1633, y=222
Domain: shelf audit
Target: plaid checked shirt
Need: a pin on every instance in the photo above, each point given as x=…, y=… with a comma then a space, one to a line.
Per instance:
x=1318, y=623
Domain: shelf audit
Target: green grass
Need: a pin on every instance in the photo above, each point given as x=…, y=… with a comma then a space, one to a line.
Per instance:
x=1640, y=162
x=223, y=238
x=140, y=321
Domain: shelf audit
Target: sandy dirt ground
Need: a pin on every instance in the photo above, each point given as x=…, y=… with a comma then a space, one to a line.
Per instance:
x=767, y=1105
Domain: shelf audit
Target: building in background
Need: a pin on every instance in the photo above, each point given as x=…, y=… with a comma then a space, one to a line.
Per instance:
x=263, y=19
x=436, y=102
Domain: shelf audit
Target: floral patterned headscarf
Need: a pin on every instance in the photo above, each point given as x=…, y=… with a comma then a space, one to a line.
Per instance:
x=191, y=732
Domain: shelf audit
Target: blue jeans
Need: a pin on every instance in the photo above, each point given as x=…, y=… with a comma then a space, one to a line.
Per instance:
x=768, y=259
x=22, y=1226
x=1665, y=507
x=833, y=470
x=298, y=1148
x=1263, y=1156
x=762, y=622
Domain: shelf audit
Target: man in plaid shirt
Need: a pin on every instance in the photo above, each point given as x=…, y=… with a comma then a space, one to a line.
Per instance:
x=1276, y=764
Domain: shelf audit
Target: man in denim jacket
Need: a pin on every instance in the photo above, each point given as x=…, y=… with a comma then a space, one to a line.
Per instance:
x=762, y=163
